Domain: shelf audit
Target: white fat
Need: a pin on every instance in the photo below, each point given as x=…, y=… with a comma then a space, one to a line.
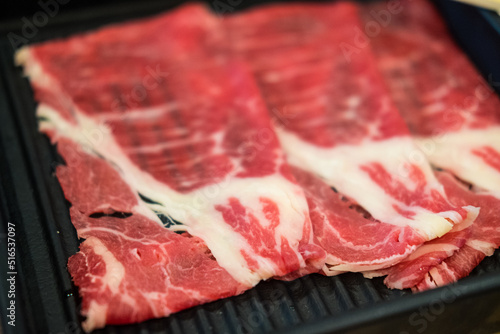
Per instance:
x=196, y=209
x=115, y=272
x=485, y=247
x=157, y=302
x=453, y=152
x=340, y=167
x=171, y=144
x=96, y=316
x=21, y=57
x=143, y=113
x=331, y=269
x=374, y=273
x=432, y=247
x=24, y=57
x=472, y=213
x=354, y=101
x=435, y=277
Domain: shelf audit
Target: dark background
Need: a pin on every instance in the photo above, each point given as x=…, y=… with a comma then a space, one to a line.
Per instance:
x=12, y=11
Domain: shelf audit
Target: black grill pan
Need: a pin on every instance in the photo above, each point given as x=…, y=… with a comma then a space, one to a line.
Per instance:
x=47, y=302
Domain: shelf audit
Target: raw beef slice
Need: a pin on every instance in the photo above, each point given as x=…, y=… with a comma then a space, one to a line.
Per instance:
x=186, y=128
x=449, y=108
x=335, y=119
x=453, y=115
x=130, y=268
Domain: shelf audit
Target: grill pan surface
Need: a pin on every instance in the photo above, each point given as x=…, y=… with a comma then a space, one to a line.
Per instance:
x=47, y=302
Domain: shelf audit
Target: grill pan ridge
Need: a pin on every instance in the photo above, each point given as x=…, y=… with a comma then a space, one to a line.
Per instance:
x=47, y=301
